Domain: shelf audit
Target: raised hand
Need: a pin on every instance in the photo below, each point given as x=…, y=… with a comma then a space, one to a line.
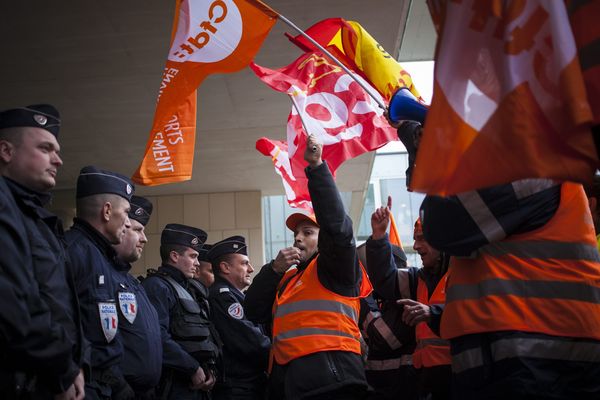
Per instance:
x=313, y=151
x=380, y=219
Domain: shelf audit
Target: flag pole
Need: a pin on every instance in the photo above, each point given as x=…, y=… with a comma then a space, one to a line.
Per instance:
x=335, y=60
x=314, y=148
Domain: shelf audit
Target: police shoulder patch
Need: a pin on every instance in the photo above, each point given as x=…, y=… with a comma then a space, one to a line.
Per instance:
x=236, y=311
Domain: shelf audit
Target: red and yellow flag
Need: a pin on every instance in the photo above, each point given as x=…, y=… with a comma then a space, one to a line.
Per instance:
x=209, y=36
x=350, y=43
x=509, y=98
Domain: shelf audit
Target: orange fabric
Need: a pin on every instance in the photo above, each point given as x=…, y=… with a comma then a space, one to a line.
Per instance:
x=430, y=354
x=394, y=235
x=512, y=106
x=322, y=330
x=561, y=316
x=208, y=37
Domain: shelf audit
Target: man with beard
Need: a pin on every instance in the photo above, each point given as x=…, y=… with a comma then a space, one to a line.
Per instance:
x=314, y=308
x=423, y=294
x=138, y=320
x=101, y=221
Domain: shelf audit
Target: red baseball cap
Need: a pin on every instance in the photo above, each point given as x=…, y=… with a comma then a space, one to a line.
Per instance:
x=293, y=220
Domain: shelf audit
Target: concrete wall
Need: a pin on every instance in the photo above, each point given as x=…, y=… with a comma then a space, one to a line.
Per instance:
x=220, y=214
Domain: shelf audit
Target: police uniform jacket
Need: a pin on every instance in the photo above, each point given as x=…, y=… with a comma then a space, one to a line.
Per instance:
x=339, y=271
x=140, y=332
x=93, y=261
x=35, y=337
x=165, y=301
x=245, y=344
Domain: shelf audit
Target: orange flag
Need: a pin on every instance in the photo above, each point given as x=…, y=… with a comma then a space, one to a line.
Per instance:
x=509, y=98
x=394, y=235
x=209, y=36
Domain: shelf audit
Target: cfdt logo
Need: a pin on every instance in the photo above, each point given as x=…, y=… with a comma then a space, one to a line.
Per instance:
x=208, y=31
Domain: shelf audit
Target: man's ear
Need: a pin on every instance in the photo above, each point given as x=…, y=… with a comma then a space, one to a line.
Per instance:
x=224, y=267
x=106, y=211
x=173, y=256
x=7, y=150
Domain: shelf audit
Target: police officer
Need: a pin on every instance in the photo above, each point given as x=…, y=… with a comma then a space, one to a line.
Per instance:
x=41, y=325
x=101, y=221
x=245, y=345
x=189, y=355
x=138, y=320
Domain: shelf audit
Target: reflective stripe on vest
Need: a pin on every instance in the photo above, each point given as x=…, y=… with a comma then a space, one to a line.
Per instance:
x=387, y=334
x=309, y=318
x=385, y=365
x=431, y=350
x=545, y=281
x=558, y=349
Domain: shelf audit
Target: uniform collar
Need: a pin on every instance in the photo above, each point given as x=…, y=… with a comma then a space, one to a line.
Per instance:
x=96, y=237
x=174, y=273
x=38, y=199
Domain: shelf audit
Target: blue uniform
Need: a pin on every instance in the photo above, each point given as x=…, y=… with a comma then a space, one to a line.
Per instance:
x=93, y=262
x=178, y=364
x=140, y=333
x=39, y=333
x=245, y=345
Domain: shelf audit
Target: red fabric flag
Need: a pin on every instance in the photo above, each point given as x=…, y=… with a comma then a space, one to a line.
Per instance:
x=333, y=107
x=209, y=36
x=509, y=99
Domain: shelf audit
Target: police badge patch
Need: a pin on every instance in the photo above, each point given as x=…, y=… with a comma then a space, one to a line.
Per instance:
x=128, y=306
x=109, y=320
x=236, y=311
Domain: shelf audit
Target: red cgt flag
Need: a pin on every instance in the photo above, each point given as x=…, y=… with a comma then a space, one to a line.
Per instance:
x=209, y=36
x=333, y=107
x=509, y=98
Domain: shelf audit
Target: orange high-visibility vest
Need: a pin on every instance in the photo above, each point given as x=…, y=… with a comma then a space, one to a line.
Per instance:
x=431, y=350
x=308, y=318
x=545, y=281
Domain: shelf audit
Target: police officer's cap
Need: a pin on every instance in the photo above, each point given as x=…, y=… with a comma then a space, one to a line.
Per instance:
x=231, y=245
x=203, y=256
x=141, y=209
x=93, y=181
x=183, y=235
x=42, y=116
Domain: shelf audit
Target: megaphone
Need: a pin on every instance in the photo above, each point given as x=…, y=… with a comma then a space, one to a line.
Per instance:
x=405, y=106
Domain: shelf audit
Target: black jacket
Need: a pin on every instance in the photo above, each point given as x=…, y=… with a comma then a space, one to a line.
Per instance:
x=245, y=344
x=142, y=340
x=39, y=331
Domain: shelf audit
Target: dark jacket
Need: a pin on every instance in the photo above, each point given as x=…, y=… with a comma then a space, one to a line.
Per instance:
x=338, y=271
x=245, y=344
x=142, y=341
x=39, y=333
x=93, y=263
x=387, y=279
x=165, y=301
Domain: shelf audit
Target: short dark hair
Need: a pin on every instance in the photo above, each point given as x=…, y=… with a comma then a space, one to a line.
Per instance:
x=216, y=263
x=166, y=249
x=12, y=135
